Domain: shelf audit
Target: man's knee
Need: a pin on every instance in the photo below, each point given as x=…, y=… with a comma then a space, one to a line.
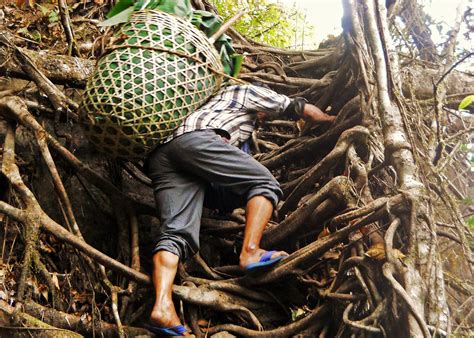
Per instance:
x=178, y=245
x=268, y=188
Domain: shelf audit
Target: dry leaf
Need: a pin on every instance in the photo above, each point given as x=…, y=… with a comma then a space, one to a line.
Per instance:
x=29, y=3
x=297, y=313
x=324, y=233
x=331, y=254
x=332, y=272
x=55, y=280
x=377, y=252
x=43, y=290
x=2, y=275
x=44, y=293
x=44, y=247
x=398, y=254
x=300, y=124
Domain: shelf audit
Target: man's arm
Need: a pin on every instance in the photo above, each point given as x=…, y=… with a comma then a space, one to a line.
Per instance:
x=299, y=108
x=313, y=115
x=272, y=104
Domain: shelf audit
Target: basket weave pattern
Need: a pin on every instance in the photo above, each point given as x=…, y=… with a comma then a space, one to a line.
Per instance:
x=159, y=70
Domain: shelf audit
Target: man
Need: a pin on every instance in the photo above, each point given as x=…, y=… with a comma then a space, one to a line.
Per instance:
x=203, y=151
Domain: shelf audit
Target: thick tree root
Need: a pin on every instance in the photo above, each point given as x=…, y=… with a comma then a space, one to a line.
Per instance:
x=23, y=324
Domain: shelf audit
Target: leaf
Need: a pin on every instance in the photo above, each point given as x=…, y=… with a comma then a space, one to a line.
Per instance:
x=53, y=17
x=44, y=10
x=45, y=247
x=470, y=222
x=45, y=294
x=466, y=102
x=55, y=280
x=297, y=313
x=35, y=35
x=332, y=272
x=331, y=254
x=377, y=252
x=20, y=3
x=324, y=233
x=121, y=17
x=23, y=31
x=120, y=7
x=238, y=64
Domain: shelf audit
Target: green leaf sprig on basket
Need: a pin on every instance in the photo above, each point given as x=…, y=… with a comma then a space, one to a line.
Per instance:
x=205, y=21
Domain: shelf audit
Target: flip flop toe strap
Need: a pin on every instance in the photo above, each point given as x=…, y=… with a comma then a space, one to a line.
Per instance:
x=177, y=330
x=267, y=256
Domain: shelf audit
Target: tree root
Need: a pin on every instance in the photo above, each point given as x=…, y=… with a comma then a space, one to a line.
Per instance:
x=16, y=109
x=361, y=324
x=31, y=240
x=289, y=152
x=59, y=69
x=309, y=253
x=67, y=321
x=31, y=325
x=217, y=300
x=388, y=271
x=355, y=135
x=290, y=224
x=284, y=331
x=288, y=81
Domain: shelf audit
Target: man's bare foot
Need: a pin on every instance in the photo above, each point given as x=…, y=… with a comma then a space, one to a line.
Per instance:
x=248, y=257
x=164, y=315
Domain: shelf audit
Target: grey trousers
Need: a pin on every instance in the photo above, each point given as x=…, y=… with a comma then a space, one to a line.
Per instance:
x=182, y=171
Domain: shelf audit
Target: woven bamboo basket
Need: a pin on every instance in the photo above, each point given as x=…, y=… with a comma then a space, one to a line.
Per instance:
x=158, y=70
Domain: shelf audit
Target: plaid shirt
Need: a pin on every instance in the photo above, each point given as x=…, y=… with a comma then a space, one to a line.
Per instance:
x=232, y=111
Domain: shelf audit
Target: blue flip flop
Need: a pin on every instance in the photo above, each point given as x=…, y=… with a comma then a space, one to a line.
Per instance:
x=177, y=330
x=265, y=260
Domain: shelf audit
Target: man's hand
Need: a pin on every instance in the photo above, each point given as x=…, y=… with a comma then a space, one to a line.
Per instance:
x=313, y=115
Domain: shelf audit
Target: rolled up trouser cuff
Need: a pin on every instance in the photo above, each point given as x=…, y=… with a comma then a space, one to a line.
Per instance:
x=273, y=194
x=176, y=245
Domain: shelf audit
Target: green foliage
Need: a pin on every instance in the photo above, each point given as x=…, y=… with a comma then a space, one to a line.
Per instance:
x=468, y=201
x=470, y=225
x=52, y=15
x=266, y=22
x=466, y=102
